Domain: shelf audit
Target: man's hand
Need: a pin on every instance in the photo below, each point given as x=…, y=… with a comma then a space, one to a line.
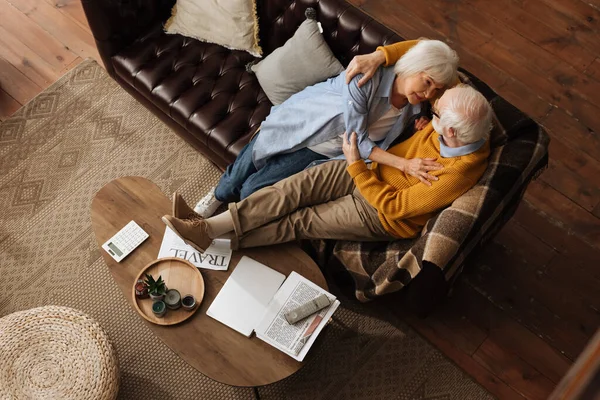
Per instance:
x=350, y=148
x=421, y=123
x=420, y=167
x=365, y=64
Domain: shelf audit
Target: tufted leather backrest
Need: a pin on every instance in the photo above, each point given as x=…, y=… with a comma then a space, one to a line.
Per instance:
x=347, y=30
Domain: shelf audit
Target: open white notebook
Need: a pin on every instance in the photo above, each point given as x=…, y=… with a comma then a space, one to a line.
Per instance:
x=256, y=297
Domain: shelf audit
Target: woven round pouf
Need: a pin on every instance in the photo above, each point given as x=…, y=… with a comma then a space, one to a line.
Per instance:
x=55, y=353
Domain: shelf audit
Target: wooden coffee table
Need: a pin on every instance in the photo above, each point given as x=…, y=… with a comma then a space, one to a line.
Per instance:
x=209, y=346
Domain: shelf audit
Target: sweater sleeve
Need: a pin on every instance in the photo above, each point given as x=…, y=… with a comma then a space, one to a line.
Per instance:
x=394, y=52
x=416, y=200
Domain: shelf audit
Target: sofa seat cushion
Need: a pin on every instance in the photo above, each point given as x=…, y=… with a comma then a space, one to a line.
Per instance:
x=202, y=86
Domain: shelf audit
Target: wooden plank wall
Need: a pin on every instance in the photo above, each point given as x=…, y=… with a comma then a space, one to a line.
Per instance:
x=528, y=304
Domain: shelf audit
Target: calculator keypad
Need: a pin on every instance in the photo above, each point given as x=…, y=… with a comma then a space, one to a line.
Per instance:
x=126, y=240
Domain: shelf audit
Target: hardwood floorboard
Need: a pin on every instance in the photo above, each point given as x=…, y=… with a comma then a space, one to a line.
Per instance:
x=478, y=319
x=579, y=137
x=518, y=290
x=73, y=9
x=512, y=335
x=525, y=246
x=557, y=235
x=33, y=37
x=442, y=341
x=16, y=84
x=579, y=24
x=451, y=323
x=72, y=65
x=561, y=43
x=8, y=105
x=564, y=212
x=26, y=61
x=509, y=367
x=61, y=27
x=594, y=69
x=574, y=267
x=576, y=12
x=578, y=282
x=575, y=175
x=593, y=3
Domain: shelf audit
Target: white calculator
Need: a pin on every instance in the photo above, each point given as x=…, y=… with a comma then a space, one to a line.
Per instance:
x=125, y=241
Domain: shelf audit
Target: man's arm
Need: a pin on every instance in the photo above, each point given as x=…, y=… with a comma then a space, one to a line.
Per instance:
x=367, y=64
x=394, y=52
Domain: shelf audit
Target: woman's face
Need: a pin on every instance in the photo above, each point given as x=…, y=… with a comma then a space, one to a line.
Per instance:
x=420, y=87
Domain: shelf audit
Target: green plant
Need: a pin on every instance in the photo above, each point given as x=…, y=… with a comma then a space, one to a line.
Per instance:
x=155, y=287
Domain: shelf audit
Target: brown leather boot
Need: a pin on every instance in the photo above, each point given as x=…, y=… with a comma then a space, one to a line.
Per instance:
x=192, y=231
x=181, y=210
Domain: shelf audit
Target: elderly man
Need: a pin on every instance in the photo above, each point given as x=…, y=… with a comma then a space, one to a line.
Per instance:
x=347, y=200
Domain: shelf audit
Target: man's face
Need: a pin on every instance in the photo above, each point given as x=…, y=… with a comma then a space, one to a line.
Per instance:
x=421, y=87
x=438, y=108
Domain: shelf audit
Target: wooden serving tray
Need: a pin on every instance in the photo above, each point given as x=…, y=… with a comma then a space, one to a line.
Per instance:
x=178, y=274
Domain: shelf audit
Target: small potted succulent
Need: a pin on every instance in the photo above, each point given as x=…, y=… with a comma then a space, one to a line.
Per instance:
x=156, y=288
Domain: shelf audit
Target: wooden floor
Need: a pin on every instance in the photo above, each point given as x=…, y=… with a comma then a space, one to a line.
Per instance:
x=526, y=307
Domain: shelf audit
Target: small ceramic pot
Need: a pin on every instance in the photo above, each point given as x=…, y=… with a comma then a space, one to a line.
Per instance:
x=188, y=302
x=159, y=308
x=157, y=297
x=173, y=299
x=141, y=290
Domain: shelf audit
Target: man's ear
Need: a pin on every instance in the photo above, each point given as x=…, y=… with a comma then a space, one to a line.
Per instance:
x=451, y=132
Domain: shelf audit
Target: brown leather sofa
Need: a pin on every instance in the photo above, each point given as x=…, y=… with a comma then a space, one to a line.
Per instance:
x=202, y=90
x=204, y=93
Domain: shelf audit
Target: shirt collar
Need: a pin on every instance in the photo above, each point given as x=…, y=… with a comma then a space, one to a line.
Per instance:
x=448, y=152
x=386, y=82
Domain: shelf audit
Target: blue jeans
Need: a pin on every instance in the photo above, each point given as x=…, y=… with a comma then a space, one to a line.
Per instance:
x=241, y=178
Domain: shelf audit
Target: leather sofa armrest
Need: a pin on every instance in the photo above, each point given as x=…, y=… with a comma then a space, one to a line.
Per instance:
x=117, y=23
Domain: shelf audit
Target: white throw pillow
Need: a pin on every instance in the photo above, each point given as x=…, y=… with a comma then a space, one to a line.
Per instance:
x=229, y=23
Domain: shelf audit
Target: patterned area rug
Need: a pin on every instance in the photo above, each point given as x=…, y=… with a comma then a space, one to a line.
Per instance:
x=84, y=131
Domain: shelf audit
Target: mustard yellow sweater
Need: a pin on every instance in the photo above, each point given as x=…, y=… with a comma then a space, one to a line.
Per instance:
x=395, y=51
x=404, y=203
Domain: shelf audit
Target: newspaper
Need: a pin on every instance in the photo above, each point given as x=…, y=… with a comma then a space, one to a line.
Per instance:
x=216, y=257
x=294, y=340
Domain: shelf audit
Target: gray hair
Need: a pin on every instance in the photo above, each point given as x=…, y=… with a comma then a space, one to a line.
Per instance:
x=433, y=57
x=468, y=112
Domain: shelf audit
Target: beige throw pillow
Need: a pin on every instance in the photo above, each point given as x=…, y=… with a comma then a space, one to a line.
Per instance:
x=304, y=60
x=229, y=23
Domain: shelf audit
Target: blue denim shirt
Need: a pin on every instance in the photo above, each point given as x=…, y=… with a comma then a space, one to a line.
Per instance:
x=328, y=109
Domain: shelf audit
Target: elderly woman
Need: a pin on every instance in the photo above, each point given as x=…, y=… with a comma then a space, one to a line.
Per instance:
x=307, y=127
x=347, y=200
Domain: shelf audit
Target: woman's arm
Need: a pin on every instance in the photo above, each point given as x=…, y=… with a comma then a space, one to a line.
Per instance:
x=417, y=167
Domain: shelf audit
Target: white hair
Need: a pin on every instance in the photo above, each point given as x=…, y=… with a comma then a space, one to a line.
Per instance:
x=468, y=113
x=433, y=57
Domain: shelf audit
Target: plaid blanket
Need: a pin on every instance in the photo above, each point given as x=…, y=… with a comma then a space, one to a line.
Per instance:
x=519, y=152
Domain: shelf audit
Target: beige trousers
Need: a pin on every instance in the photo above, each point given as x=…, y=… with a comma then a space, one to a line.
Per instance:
x=319, y=203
